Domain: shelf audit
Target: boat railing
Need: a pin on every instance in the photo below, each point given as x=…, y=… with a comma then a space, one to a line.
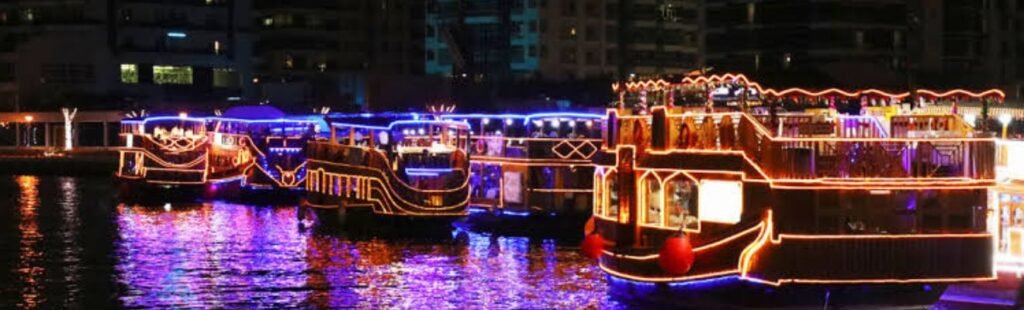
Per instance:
x=866, y=158
x=534, y=148
x=367, y=159
x=864, y=151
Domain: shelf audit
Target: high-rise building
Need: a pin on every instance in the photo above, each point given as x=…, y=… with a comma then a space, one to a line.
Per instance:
x=182, y=52
x=810, y=43
x=964, y=43
x=325, y=52
x=107, y=53
x=558, y=40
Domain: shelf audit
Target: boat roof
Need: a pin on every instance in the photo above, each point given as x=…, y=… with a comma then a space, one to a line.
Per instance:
x=386, y=121
x=527, y=117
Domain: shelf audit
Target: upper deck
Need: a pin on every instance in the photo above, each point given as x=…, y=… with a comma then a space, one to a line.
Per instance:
x=817, y=148
x=812, y=150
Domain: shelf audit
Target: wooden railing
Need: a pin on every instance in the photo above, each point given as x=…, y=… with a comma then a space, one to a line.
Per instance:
x=861, y=148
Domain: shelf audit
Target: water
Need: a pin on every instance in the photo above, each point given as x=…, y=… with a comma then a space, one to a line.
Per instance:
x=66, y=242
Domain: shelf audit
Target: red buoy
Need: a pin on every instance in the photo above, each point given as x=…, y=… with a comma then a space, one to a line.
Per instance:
x=676, y=255
x=588, y=228
x=593, y=244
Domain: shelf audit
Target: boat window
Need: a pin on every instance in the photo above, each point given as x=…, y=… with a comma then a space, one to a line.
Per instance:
x=598, y=193
x=612, y=188
x=720, y=201
x=492, y=181
x=654, y=197
x=681, y=203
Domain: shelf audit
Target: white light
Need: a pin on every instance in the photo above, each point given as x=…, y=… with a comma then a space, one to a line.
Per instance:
x=1005, y=119
x=234, y=98
x=720, y=201
x=970, y=118
x=555, y=123
x=485, y=121
x=182, y=115
x=538, y=123
x=176, y=34
x=69, y=116
x=167, y=206
x=383, y=137
x=422, y=131
x=590, y=123
x=218, y=139
x=508, y=121
x=572, y=123
x=131, y=141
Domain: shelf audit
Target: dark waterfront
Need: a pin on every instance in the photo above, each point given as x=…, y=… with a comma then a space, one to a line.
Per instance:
x=66, y=242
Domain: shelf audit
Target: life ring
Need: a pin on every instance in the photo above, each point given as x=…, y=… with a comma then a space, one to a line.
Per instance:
x=480, y=146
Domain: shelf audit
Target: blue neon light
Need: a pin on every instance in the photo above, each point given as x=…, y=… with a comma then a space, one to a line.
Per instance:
x=515, y=213
x=429, y=170
x=696, y=284
x=176, y=34
x=422, y=174
x=463, y=124
x=561, y=114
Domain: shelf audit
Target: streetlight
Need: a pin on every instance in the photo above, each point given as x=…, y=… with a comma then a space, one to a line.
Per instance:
x=1005, y=119
x=28, y=130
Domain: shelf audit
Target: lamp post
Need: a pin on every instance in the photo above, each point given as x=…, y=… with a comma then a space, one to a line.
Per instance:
x=28, y=130
x=1005, y=119
x=69, y=116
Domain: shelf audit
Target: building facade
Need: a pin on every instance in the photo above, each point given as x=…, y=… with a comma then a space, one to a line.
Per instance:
x=324, y=52
x=559, y=40
x=810, y=43
x=114, y=54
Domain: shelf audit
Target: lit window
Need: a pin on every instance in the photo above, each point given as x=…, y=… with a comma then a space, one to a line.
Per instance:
x=289, y=62
x=653, y=199
x=612, y=190
x=172, y=75
x=129, y=74
x=216, y=47
x=268, y=21
x=720, y=201
x=224, y=77
x=681, y=203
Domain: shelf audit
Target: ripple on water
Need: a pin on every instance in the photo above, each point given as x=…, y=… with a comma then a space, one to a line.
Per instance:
x=75, y=246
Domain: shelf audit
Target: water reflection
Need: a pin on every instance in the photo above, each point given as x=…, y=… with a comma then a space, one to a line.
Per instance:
x=71, y=245
x=30, y=269
x=222, y=254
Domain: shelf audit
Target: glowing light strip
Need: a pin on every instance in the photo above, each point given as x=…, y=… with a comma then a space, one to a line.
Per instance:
x=318, y=172
x=458, y=125
x=560, y=190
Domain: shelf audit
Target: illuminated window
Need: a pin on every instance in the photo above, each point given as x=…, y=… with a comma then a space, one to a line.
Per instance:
x=598, y=193
x=681, y=203
x=653, y=200
x=224, y=77
x=181, y=75
x=612, y=188
x=268, y=21
x=289, y=61
x=129, y=74
x=217, y=47
x=720, y=201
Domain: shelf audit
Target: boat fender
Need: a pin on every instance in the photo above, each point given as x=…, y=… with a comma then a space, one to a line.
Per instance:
x=593, y=245
x=676, y=256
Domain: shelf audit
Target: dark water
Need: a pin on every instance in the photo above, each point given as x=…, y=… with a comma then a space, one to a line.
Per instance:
x=66, y=242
